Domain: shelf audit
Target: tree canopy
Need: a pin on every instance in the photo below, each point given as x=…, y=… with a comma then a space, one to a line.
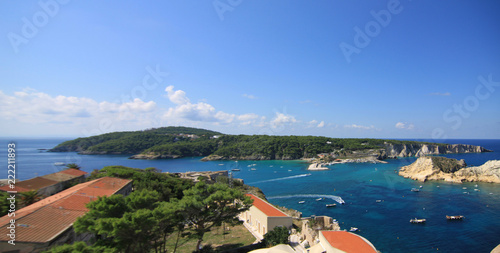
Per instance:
x=159, y=205
x=204, y=206
x=279, y=235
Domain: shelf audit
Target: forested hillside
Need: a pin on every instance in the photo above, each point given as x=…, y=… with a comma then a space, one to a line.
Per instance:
x=175, y=142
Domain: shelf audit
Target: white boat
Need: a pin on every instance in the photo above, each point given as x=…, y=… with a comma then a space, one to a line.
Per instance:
x=59, y=164
x=418, y=220
x=378, y=200
x=319, y=199
x=253, y=169
x=454, y=217
x=302, y=202
x=415, y=190
x=331, y=205
x=353, y=229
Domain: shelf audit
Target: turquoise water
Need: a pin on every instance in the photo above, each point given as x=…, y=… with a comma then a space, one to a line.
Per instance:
x=385, y=223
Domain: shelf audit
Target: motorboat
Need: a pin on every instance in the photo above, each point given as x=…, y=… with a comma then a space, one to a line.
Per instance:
x=59, y=164
x=353, y=229
x=418, y=220
x=454, y=217
x=331, y=205
x=302, y=202
x=319, y=199
x=415, y=189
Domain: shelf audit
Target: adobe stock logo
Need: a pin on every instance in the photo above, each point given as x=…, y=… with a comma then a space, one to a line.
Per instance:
x=222, y=7
x=30, y=27
x=372, y=29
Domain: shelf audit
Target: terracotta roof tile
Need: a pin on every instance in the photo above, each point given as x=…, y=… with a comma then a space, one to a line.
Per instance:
x=46, y=201
x=43, y=224
x=17, y=188
x=36, y=183
x=59, y=177
x=46, y=219
x=348, y=242
x=74, y=202
x=265, y=207
x=73, y=172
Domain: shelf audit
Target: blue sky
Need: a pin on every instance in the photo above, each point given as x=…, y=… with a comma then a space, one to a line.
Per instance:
x=381, y=69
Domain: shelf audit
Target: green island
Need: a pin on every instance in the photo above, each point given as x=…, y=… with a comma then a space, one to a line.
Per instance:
x=177, y=142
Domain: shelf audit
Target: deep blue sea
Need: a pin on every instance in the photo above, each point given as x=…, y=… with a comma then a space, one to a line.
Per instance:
x=285, y=183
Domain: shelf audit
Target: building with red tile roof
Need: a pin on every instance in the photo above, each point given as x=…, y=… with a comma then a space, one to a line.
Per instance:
x=342, y=241
x=48, y=184
x=49, y=222
x=263, y=217
x=73, y=172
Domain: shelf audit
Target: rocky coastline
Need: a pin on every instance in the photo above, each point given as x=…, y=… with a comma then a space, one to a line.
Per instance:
x=451, y=170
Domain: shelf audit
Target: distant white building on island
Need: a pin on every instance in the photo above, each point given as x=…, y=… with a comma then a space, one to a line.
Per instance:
x=263, y=217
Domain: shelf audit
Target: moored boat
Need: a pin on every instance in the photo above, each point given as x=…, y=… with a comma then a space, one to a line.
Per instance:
x=418, y=220
x=454, y=217
x=59, y=164
x=353, y=229
x=415, y=189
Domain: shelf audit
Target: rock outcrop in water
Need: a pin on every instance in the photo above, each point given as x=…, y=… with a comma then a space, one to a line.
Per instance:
x=451, y=170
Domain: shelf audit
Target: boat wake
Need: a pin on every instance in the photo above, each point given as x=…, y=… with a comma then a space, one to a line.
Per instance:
x=332, y=197
x=282, y=178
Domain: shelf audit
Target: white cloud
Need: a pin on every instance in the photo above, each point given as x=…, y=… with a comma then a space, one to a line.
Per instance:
x=408, y=126
x=361, y=127
x=248, y=116
x=201, y=111
x=176, y=97
x=282, y=119
x=40, y=113
x=312, y=123
x=440, y=94
x=35, y=113
x=195, y=112
x=315, y=123
x=249, y=96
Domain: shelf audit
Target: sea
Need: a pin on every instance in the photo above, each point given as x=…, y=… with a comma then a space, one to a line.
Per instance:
x=377, y=201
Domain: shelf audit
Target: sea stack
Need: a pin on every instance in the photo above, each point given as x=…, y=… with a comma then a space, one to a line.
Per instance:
x=451, y=170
